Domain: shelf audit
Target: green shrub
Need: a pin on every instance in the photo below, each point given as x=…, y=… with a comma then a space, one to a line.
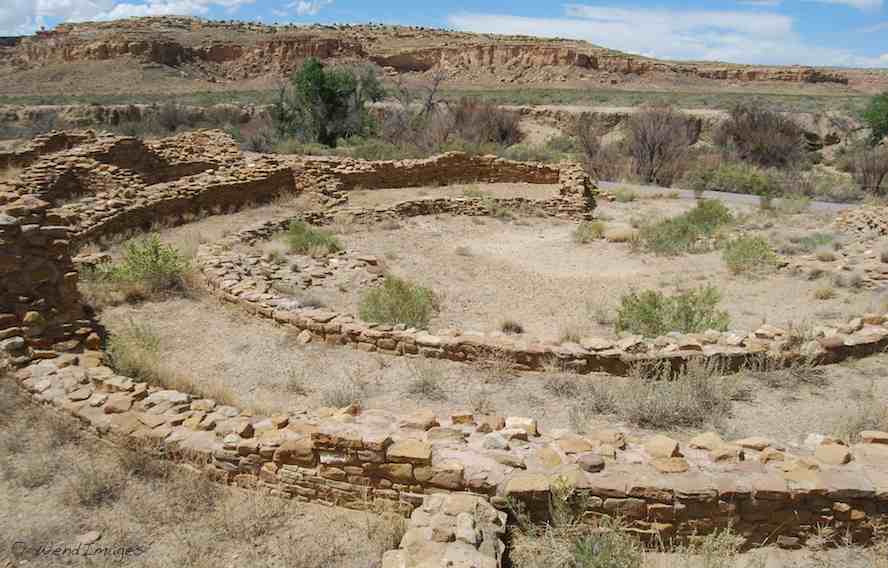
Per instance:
x=814, y=241
x=683, y=233
x=734, y=177
x=588, y=231
x=624, y=194
x=761, y=136
x=608, y=549
x=652, y=313
x=147, y=267
x=529, y=153
x=398, y=301
x=876, y=117
x=305, y=239
x=749, y=255
x=323, y=104
x=700, y=395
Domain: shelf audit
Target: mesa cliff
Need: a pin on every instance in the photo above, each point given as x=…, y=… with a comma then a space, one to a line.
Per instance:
x=231, y=52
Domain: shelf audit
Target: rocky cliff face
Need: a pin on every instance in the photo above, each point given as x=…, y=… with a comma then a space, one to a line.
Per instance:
x=234, y=51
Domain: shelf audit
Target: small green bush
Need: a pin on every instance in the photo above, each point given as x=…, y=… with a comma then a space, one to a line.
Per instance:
x=814, y=241
x=876, y=117
x=734, y=177
x=683, y=233
x=747, y=255
x=625, y=195
x=652, y=313
x=608, y=549
x=147, y=265
x=398, y=301
x=305, y=239
x=588, y=231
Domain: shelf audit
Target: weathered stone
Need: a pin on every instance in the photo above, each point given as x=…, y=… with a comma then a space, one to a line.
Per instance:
x=593, y=463
x=670, y=465
x=529, y=425
x=707, y=441
x=526, y=484
x=296, y=452
x=874, y=437
x=117, y=403
x=410, y=451
x=833, y=454
x=660, y=446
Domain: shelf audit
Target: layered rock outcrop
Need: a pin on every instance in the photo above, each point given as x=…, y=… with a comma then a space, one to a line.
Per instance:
x=234, y=51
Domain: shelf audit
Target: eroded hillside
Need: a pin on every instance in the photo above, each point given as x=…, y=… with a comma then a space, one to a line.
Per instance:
x=177, y=54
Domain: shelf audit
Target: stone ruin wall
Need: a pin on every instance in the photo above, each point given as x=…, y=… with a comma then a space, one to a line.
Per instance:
x=247, y=282
x=372, y=459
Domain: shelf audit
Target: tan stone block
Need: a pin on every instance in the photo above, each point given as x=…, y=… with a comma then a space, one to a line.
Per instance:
x=527, y=484
x=660, y=446
x=707, y=441
x=874, y=437
x=610, y=437
x=833, y=454
x=573, y=444
x=410, y=451
x=296, y=452
x=670, y=465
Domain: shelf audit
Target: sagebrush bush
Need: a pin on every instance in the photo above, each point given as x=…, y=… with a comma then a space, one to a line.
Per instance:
x=869, y=168
x=658, y=139
x=399, y=301
x=588, y=231
x=305, y=239
x=683, y=233
x=700, y=395
x=761, y=136
x=748, y=255
x=147, y=268
x=651, y=313
x=734, y=177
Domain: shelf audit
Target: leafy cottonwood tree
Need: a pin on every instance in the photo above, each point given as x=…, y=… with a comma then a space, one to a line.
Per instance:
x=322, y=104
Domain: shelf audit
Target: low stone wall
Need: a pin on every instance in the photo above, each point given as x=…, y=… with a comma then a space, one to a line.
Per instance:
x=334, y=177
x=247, y=282
x=374, y=460
x=43, y=145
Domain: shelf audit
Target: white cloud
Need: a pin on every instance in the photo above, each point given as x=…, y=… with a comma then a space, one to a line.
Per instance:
x=759, y=37
x=24, y=16
x=309, y=7
x=881, y=26
x=859, y=4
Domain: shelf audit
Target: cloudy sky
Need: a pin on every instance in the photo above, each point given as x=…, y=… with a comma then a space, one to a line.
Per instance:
x=807, y=32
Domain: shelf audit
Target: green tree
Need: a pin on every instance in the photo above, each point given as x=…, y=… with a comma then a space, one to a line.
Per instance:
x=322, y=104
x=876, y=117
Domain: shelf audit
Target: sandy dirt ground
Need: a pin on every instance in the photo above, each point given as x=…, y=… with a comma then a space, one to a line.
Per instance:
x=259, y=361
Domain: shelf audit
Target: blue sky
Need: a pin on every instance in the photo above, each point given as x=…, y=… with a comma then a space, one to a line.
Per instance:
x=806, y=32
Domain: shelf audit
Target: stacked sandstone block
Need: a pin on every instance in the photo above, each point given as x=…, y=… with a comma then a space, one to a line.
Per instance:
x=375, y=459
x=42, y=145
x=459, y=529
x=334, y=177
